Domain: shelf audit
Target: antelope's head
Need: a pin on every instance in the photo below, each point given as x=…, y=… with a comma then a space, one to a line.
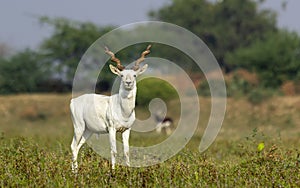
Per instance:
x=128, y=76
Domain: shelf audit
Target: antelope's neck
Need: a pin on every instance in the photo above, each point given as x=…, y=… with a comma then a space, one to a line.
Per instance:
x=127, y=101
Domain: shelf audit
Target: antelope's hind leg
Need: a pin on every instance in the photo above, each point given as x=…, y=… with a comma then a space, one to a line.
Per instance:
x=75, y=146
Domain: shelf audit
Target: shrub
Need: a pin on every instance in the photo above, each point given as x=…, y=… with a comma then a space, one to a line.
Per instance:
x=238, y=87
x=204, y=89
x=21, y=73
x=150, y=88
x=275, y=59
x=258, y=95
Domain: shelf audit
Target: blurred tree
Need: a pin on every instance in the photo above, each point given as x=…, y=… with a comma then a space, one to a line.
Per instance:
x=276, y=59
x=21, y=73
x=63, y=50
x=224, y=26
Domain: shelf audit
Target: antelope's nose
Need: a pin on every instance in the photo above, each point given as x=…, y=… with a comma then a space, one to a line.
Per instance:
x=128, y=83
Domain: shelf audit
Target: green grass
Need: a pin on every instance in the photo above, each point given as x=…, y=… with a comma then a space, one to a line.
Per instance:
x=29, y=164
x=35, y=148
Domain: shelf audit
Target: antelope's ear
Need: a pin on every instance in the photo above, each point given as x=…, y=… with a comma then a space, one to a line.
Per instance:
x=114, y=69
x=143, y=69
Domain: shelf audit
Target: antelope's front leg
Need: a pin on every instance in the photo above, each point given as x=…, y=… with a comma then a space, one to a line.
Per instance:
x=125, y=136
x=113, y=146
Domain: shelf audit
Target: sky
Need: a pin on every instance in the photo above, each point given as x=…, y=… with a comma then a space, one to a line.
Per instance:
x=20, y=28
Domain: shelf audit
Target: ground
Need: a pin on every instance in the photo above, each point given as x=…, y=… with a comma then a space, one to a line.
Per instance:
x=36, y=133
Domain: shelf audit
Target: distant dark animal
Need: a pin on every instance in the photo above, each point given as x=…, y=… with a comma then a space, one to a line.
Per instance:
x=164, y=124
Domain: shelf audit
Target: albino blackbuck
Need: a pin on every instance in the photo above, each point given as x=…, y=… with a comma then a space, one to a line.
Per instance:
x=100, y=114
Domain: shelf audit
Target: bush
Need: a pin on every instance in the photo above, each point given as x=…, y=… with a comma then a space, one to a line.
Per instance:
x=275, y=59
x=21, y=73
x=238, y=87
x=204, y=89
x=258, y=95
x=150, y=88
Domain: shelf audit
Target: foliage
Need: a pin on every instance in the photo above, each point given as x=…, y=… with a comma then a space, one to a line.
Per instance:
x=151, y=88
x=238, y=87
x=240, y=33
x=21, y=73
x=204, y=88
x=224, y=26
x=63, y=50
x=259, y=95
x=162, y=51
x=275, y=60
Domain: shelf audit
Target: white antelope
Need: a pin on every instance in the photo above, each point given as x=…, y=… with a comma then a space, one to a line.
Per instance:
x=100, y=114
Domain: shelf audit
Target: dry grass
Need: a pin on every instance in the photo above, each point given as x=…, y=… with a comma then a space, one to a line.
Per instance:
x=31, y=114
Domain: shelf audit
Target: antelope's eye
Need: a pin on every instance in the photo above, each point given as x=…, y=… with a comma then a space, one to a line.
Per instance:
x=122, y=75
x=134, y=75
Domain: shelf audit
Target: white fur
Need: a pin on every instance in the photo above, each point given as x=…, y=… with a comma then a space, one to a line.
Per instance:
x=92, y=113
x=164, y=125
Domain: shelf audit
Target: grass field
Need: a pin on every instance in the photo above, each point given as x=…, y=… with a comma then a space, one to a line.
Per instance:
x=36, y=132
